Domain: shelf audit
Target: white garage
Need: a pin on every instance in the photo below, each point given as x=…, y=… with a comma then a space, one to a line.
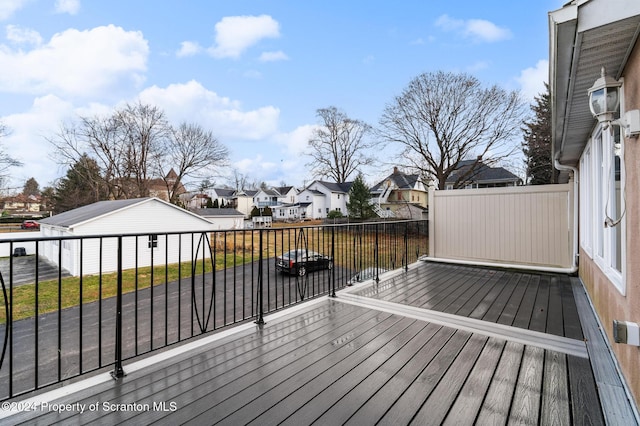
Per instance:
x=84, y=240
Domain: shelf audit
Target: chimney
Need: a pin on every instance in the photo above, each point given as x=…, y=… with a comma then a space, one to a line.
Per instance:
x=395, y=170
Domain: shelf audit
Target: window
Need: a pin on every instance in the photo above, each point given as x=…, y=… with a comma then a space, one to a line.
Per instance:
x=153, y=241
x=586, y=210
x=602, y=204
x=338, y=196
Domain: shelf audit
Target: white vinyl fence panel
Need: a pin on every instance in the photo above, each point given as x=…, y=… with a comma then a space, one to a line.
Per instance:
x=526, y=225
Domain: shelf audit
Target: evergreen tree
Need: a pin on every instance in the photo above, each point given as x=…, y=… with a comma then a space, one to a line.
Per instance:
x=31, y=187
x=359, y=205
x=215, y=204
x=82, y=185
x=537, y=142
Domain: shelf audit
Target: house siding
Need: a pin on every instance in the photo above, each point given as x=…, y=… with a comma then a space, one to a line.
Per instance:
x=608, y=301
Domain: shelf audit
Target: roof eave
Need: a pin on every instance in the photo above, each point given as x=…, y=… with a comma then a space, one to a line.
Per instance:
x=583, y=37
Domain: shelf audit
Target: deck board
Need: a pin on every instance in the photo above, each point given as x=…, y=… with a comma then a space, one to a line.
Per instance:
x=435, y=409
x=525, y=406
x=469, y=400
x=345, y=407
x=555, y=393
x=496, y=406
x=335, y=362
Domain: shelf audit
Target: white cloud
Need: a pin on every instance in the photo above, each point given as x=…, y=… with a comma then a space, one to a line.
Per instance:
x=273, y=56
x=67, y=6
x=531, y=80
x=257, y=167
x=27, y=141
x=478, y=30
x=295, y=143
x=235, y=34
x=18, y=35
x=188, y=48
x=8, y=7
x=194, y=103
x=276, y=159
x=78, y=63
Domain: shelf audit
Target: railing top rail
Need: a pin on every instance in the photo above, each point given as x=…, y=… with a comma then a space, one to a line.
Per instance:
x=198, y=232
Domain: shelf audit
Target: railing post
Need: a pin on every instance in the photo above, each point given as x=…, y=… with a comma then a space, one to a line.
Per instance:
x=406, y=246
x=118, y=371
x=260, y=319
x=377, y=254
x=333, y=258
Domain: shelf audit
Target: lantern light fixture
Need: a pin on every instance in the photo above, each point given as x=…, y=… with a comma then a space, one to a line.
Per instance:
x=604, y=103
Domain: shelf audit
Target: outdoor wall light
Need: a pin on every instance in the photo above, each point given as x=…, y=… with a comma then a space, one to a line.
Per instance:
x=604, y=103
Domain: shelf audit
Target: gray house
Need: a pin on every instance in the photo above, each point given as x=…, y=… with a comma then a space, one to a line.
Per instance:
x=476, y=174
x=149, y=216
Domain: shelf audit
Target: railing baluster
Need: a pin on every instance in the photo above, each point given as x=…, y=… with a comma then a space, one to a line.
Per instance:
x=81, y=290
x=118, y=371
x=260, y=320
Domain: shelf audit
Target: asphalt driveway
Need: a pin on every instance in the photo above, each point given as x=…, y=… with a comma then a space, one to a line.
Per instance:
x=24, y=270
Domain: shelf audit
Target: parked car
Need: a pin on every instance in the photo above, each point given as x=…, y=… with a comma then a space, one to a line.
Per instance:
x=30, y=224
x=299, y=262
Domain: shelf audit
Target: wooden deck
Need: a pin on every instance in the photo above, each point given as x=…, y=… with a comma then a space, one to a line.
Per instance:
x=438, y=344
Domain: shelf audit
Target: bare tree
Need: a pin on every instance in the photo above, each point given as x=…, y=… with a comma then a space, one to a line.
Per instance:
x=190, y=151
x=123, y=145
x=144, y=132
x=444, y=118
x=6, y=161
x=240, y=181
x=339, y=147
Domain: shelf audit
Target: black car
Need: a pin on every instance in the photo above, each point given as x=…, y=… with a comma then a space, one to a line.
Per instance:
x=299, y=262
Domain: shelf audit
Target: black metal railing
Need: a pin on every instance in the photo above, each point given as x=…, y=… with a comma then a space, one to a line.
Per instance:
x=74, y=305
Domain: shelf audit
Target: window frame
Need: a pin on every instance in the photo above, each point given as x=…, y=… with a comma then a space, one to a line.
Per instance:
x=604, y=244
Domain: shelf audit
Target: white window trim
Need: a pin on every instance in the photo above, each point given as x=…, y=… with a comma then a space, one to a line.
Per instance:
x=593, y=232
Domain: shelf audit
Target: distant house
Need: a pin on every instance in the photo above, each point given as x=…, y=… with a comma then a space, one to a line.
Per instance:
x=22, y=204
x=395, y=192
x=150, y=216
x=294, y=211
x=195, y=201
x=242, y=201
x=222, y=218
x=160, y=188
x=276, y=196
x=321, y=197
x=476, y=174
x=224, y=196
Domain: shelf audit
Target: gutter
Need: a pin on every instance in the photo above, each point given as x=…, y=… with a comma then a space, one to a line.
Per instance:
x=576, y=193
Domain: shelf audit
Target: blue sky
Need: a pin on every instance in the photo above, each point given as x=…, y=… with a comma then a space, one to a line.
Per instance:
x=253, y=72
